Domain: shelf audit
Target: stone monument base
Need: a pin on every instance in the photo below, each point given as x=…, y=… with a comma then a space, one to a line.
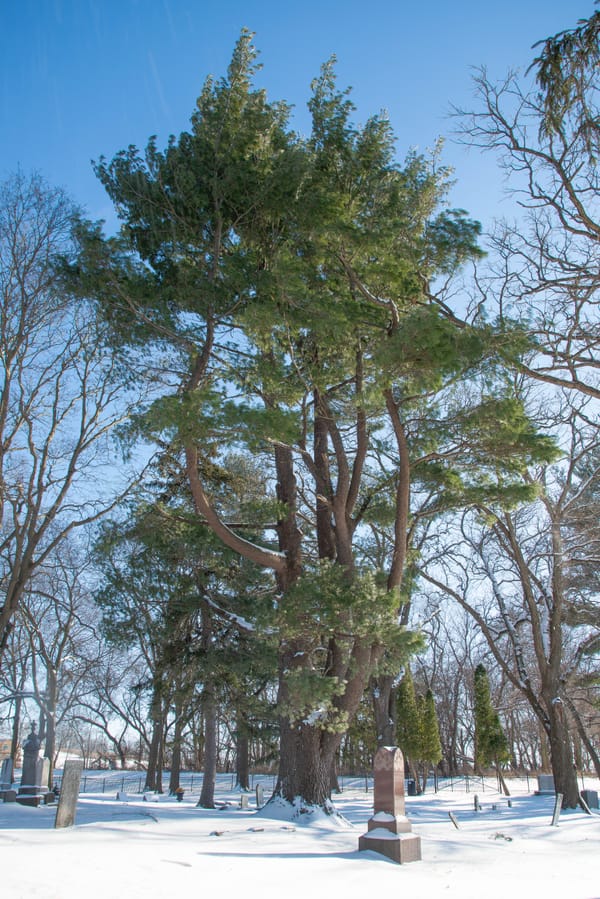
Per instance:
x=33, y=801
x=399, y=847
x=393, y=823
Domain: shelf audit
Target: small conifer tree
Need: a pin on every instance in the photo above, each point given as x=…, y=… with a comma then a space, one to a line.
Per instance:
x=432, y=746
x=491, y=746
x=409, y=731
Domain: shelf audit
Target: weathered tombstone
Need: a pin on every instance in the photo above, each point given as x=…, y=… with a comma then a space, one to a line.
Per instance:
x=389, y=830
x=260, y=796
x=69, y=791
x=29, y=775
x=590, y=797
x=6, y=774
x=244, y=800
x=545, y=783
x=557, y=808
x=10, y=795
x=476, y=803
x=42, y=774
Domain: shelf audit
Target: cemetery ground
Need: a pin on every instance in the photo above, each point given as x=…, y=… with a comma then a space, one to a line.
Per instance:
x=159, y=848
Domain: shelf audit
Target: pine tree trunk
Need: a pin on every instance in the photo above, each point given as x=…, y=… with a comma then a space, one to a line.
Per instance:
x=242, y=756
x=154, y=774
x=207, y=795
x=384, y=710
x=176, y=755
x=305, y=761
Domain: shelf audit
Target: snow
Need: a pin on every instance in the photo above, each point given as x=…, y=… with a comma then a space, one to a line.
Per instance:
x=381, y=833
x=164, y=849
x=383, y=816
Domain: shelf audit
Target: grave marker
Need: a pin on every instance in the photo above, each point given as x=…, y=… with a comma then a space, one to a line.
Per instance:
x=453, y=818
x=69, y=791
x=389, y=830
x=557, y=808
x=29, y=775
x=545, y=783
x=260, y=796
x=6, y=774
x=590, y=797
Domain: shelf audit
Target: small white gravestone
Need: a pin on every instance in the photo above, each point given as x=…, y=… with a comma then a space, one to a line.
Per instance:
x=260, y=796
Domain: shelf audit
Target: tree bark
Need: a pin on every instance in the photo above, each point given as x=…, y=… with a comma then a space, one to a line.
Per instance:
x=242, y=754
x=561, y=754
x=154, y=772
x=176, y=753
x=384, y=710
x=207, y=794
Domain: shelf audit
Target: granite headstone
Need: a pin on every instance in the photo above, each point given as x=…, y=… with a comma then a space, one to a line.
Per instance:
x=389, y=830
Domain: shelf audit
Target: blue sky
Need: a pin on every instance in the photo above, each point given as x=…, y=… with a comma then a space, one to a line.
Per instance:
x=84, y=78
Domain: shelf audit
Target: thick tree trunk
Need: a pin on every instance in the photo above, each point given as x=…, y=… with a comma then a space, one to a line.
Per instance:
x=242, y=755
x=561, y=753
x=306, y=758
x=384, y=710
x=154, y=772
x=176, y=753
x=207, y=794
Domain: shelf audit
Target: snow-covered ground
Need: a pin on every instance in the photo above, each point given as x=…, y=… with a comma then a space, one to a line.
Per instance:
x=163, y=849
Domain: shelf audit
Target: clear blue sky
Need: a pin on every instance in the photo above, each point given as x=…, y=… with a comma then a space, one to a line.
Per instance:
x=84, y=78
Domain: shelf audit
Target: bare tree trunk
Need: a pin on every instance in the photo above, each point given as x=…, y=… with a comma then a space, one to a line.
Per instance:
x=14, y=744
x=563, y=768
x=585, y=739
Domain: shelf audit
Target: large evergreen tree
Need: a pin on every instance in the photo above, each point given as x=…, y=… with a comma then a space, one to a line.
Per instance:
x=283, y=289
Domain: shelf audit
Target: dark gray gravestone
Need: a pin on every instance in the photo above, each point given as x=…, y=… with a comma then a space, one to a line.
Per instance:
x=545, y=783
x=69, y=791
x=29, y=775
x=590, y=797
x=6, y=774
x=389, y=830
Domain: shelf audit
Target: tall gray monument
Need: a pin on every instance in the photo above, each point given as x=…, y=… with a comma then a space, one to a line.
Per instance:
x=389, y=830
x=31, y=769
x=69, y=791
